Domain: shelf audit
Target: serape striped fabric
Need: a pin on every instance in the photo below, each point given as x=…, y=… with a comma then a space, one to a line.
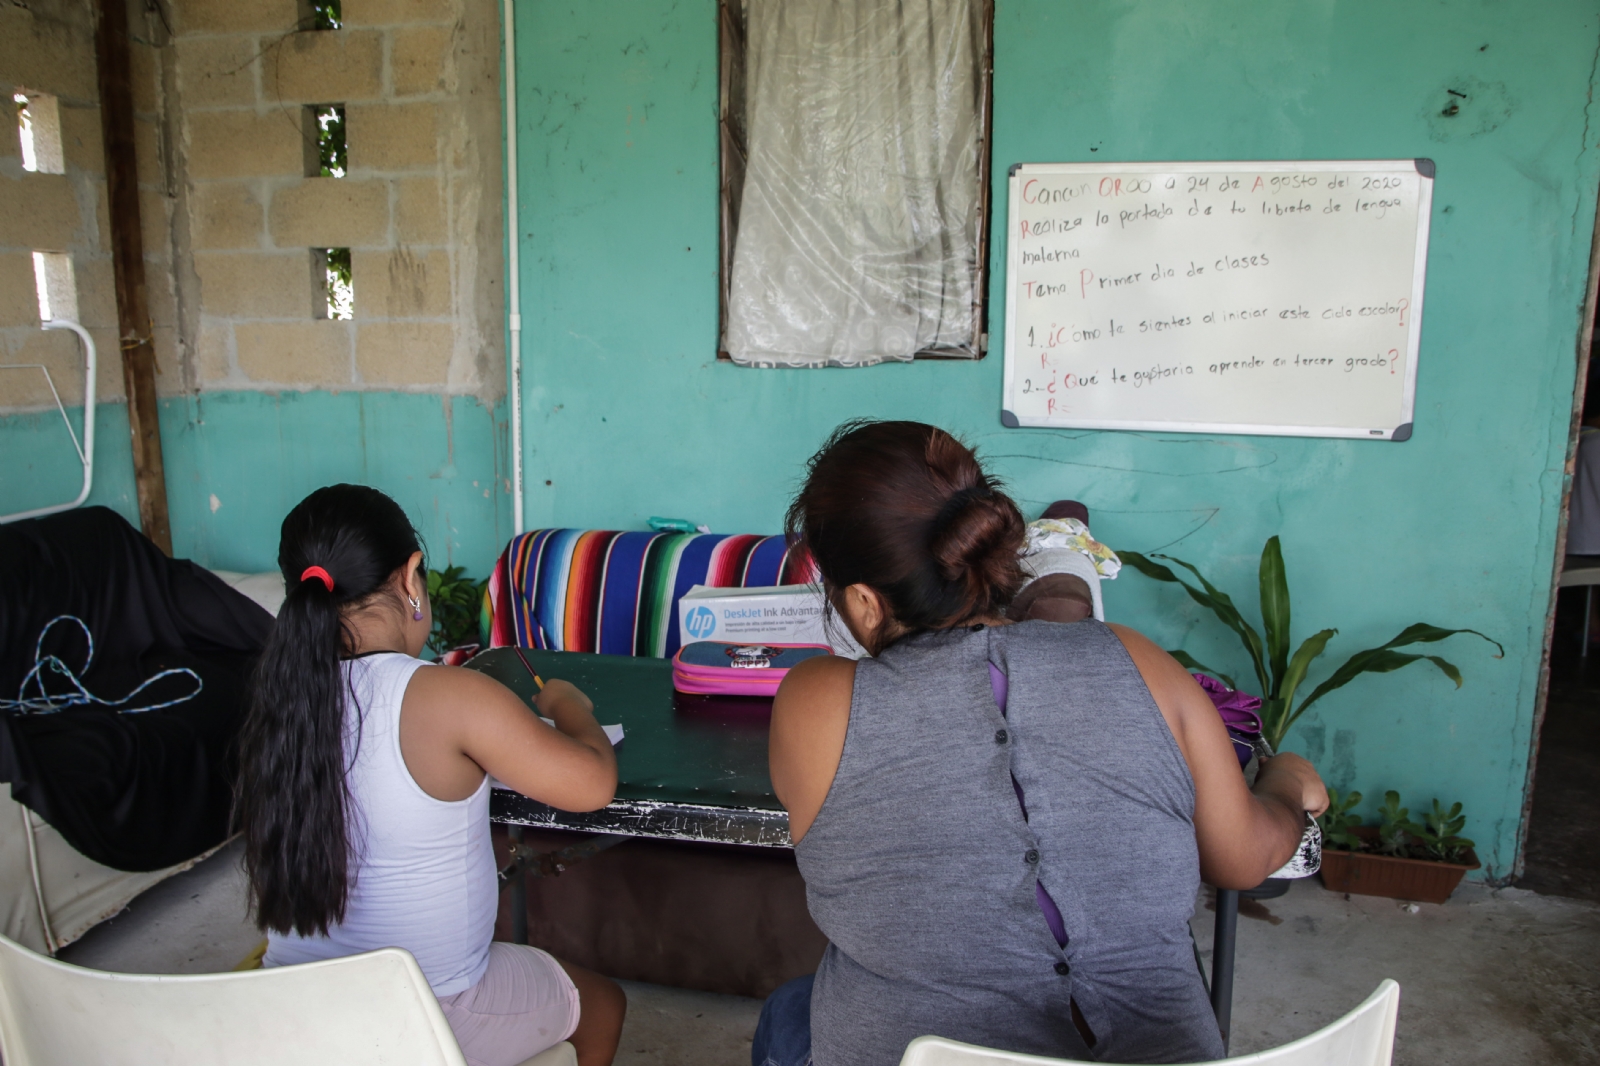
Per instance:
x=617, y=593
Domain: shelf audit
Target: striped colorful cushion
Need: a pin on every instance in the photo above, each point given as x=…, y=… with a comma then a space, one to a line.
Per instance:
x=617, y=593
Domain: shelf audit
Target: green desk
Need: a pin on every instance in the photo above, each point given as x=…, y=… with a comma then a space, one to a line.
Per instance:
x=688, y=768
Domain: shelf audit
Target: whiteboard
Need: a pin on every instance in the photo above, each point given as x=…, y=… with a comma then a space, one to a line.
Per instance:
x=1270, y=297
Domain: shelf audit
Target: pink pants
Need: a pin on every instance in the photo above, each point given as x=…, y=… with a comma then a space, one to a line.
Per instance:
x=524, y=1004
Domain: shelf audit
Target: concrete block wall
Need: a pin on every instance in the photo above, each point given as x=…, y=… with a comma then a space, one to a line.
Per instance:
x=419, y=206
x=230, y=217
x=48, y=47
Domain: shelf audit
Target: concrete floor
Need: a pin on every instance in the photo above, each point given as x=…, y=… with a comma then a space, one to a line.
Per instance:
x=1503, y=978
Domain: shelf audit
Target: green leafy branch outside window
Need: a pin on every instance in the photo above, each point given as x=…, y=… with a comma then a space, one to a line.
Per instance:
x=332, y=150
x=327, y=15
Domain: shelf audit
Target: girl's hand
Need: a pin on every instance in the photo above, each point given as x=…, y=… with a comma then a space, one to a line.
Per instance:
x=562, y=695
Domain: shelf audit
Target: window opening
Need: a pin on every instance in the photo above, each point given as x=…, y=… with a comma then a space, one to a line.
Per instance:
x=39, y=130
x=874, y=129
x=55, y=286
x=321, y=15
x=333, y=292
x=325, y=148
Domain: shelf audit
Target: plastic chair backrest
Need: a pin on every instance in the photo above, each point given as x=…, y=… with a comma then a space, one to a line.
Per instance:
x=360, y=1010
x=1364, y=1037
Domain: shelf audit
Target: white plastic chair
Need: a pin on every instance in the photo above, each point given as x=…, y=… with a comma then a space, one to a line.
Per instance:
x=1364, y=1037
x=361, y=1010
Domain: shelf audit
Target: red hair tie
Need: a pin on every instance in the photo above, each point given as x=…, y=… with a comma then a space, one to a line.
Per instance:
x=320, y=574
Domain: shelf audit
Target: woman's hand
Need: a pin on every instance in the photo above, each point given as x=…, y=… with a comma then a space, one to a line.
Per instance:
x=1295, y=781
x=1244, y=834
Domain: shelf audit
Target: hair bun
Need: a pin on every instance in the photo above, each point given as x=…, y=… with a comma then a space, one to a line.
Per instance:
x=976, y=538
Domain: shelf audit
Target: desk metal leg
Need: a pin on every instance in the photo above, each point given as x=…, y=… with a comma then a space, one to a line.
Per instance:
x=1222, y=944
x=519, y=894
x=1588, y=609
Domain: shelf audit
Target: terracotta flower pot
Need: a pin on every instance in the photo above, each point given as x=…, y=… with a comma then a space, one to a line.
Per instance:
x=1366, y=874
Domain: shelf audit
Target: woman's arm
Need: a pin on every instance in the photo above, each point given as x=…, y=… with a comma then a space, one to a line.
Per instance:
x=457, y=724
x=810, y=717
x=1244, y=834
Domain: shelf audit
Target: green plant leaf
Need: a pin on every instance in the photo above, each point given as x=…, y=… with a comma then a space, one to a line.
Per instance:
x=1193, y=665
x=1308, y=652
x=1221, y=605
x=1275, y=613
x=1383, y=659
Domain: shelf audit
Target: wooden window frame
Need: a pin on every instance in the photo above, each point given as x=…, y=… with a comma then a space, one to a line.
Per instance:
x=732, y=157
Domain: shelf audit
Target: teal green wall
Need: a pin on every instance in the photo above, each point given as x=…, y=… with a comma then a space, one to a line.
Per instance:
x=259, y=453
x=630, y=415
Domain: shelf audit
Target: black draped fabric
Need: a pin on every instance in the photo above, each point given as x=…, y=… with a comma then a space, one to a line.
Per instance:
x=132, y=791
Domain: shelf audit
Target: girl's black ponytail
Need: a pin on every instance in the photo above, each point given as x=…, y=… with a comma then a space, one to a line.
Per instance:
x=291, y=800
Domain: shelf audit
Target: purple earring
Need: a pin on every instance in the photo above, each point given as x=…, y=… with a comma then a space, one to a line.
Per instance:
x=416, y=610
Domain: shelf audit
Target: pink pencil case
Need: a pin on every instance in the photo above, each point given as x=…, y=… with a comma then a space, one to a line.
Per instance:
x=716, y=668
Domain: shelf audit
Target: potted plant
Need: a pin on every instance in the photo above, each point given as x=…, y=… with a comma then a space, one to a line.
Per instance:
x=457, y=602
x=1396, y=858
x=1278, y=673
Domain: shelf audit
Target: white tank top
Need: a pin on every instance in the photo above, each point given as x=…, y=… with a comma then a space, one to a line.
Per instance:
x=423, y=870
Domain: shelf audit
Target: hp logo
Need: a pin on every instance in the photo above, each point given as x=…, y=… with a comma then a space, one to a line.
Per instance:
x=700, y=622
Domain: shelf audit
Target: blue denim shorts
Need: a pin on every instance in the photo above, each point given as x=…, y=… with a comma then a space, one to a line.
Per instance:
x=783, y=1035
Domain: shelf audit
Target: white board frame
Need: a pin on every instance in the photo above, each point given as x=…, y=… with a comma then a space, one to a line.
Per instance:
x=1401, y=428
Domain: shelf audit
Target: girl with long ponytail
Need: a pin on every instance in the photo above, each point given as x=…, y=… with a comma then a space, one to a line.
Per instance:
x=363, y=792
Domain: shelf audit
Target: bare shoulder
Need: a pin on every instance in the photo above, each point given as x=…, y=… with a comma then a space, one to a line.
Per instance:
x=1176, y=692
x=1156, y=665
x=460, y=689
x=821, y=681
x=810, y=718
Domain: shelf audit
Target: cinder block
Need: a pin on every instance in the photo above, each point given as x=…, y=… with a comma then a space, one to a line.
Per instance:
x=421, y=60
x=40, y=211
x=82, y=141
x=147, y=152
x=235, y=16
x=155, y=223
x=217, y=71
x=393, y=136
x=47, y=55
x=324, y=66
x=419, y=216
x=97, y=292
x=294, y=353
x=214, y=350
x=169, y=361
x=330, y=213
x=226, y=214
x=389, y=12
x=245, y=144
x=19, y=299
x=158, y=293
x=404, y=353
x=144, y=76
x=60, y=352
x=109, y=381
x=255, y=284
x=401, y=284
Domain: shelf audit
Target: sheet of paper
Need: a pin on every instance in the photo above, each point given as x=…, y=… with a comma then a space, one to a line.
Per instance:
x=613, y=732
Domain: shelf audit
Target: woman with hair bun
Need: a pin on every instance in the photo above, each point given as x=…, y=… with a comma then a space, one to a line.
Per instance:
x=363, y=792
x=1002, y=827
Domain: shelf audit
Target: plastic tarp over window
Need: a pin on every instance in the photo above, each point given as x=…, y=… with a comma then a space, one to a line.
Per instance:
x=859, y=223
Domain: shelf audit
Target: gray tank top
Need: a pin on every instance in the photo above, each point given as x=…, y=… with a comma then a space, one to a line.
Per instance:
x=921, y=867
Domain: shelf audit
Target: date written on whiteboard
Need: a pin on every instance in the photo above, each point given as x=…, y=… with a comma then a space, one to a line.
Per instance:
x=1237, y=294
